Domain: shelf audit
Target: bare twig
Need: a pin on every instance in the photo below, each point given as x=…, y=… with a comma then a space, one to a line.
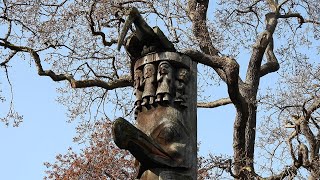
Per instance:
x=4, y=63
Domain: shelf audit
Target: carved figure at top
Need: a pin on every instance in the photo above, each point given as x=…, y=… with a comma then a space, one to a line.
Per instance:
x=144, y=39
x=149, y=90
x=165, y=82
x=138, y=88
x=180, y=83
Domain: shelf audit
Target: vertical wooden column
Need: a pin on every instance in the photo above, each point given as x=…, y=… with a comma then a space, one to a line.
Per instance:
x=166, y=112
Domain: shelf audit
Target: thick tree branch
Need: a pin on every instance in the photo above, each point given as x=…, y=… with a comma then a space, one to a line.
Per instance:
x=288, y=171
x=314, y=106
x=214, y=104
x=124, y=81
x=198, y=16
x=272, y=64
x=301, y=19
x=229, y=66
x=259, y=48
x=227, y=69
x=307, y=132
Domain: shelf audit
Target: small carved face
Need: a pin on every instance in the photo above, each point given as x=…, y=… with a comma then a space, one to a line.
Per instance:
x=183, y=74
x=137, y=77
x=148, y=70
x=137, y=74
x=164, y=68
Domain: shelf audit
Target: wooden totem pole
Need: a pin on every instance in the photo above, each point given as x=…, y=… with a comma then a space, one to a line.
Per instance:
x=164, y=140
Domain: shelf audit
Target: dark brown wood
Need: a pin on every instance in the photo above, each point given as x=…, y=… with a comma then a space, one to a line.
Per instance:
x=164, y=140
x=166, y=128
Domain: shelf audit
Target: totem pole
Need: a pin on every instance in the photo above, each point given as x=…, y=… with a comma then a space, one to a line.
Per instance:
x=164, y=140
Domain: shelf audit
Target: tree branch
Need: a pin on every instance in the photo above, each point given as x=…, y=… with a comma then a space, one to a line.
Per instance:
x=314, y=106
x=301, y=19
x=18, y=22
x=198, y=15
x=291, y=170
x=229, y=66
x=307, y=132
x=264, y=39
x=214, y=104
x=272, y=64
x=124, y=81
x=98, y=33
x=11, y=55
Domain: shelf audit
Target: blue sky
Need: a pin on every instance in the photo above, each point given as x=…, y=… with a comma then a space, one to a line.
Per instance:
x=44, y=132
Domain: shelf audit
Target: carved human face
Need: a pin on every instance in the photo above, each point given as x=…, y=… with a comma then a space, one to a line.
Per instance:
x=148, y=70
x=137, y=74
x=137, y=77
x=183, y=74
x=164, y=68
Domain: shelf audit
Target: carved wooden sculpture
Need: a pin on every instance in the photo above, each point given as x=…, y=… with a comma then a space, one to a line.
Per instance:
x=138, y=82
x=149, y=92
x=165, y=80
x=180, y=83
x=164, y=140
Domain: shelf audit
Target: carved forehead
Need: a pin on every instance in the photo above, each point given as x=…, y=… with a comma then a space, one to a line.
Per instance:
x=138, y=72
x=149, y=66
x=165, y=63
x=183, y=70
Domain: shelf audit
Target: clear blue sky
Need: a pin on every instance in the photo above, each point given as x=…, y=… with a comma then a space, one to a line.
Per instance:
x=44, y=132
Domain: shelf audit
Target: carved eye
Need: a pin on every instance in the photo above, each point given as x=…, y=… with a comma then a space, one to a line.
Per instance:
x=168, y=134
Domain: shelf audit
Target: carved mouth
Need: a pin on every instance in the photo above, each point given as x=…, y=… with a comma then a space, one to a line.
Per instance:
x=142, y=147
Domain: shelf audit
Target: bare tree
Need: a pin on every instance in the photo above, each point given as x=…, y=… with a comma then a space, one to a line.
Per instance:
x=77, y=41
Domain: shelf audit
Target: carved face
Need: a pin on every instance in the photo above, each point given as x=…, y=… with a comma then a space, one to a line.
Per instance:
x=148, y=70
x=183, y=74
x=165, y=68
x=137, y=77
x=137, y=74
